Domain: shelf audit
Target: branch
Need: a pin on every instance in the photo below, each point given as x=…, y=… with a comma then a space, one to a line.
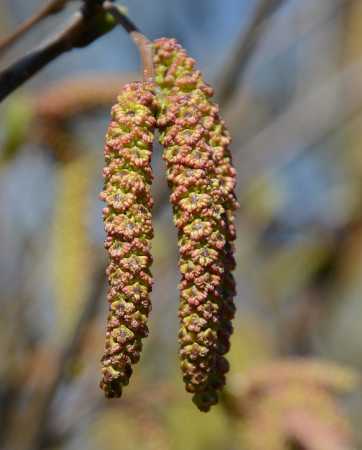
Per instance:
x=69, y=356
x=53, y=7
x=248, y=42
x=87, y=25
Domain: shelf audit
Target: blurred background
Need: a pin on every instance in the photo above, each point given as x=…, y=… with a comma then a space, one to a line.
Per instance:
x=288, y=76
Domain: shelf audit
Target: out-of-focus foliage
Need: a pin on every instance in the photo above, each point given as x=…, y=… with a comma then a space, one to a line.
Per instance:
x=16, y=127
x=292, y=402
x=72, y=265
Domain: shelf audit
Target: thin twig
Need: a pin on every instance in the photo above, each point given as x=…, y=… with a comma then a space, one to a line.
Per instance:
x=249, y=40
x=21, y=71
x=143, y=44
x=86, y=26
x=146, y=53
x=53, y=7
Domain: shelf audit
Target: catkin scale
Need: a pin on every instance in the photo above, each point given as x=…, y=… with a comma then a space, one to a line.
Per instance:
x=202, y=181
x=127, y=220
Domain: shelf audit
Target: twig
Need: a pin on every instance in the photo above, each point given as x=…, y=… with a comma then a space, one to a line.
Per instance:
x=248, y=42
x=53, y=7
x=22, y=70
x=19, y=72
x=63, y=100
x=143, y=44
x=86, y=26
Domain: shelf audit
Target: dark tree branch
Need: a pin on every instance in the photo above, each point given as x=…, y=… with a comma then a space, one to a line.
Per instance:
x=92, y=22
x=245, y=49
x=20, y=71
x=52, y=7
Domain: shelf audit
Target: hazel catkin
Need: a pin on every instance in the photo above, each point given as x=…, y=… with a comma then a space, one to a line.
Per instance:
x=202, y=181
x=127, y=220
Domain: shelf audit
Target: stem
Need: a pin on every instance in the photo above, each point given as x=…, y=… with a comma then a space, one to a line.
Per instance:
x=143, y=44
x=146, y=53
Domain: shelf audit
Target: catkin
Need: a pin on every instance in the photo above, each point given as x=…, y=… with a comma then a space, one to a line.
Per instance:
x=128, y=226
x=202, y=182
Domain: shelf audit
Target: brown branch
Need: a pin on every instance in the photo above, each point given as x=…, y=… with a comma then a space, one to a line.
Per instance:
x=248, y=42
x=53, y=7
x=86, y=26
x=64, y=99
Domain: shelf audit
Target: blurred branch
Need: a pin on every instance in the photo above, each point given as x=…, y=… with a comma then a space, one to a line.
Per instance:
x=13, y=379
x=304, y=124
x=300, y=36
x=69, y=356
x=52, y=7
x=248, y=41
x=86, y=26
x=64, y=99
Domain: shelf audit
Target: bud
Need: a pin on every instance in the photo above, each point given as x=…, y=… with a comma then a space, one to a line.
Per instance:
x=127, y=220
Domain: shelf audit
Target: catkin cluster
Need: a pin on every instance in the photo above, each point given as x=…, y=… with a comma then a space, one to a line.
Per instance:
x=128, y=225
x=202, y=182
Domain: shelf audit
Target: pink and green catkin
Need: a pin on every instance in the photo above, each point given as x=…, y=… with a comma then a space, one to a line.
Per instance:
x=128, y=225
x=202, y=181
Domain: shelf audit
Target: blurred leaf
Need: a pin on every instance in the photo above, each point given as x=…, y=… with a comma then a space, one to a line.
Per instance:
x=264, y=198
x=250, y=344
x=288, y=268
x=193, y=430
x=18, y=116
